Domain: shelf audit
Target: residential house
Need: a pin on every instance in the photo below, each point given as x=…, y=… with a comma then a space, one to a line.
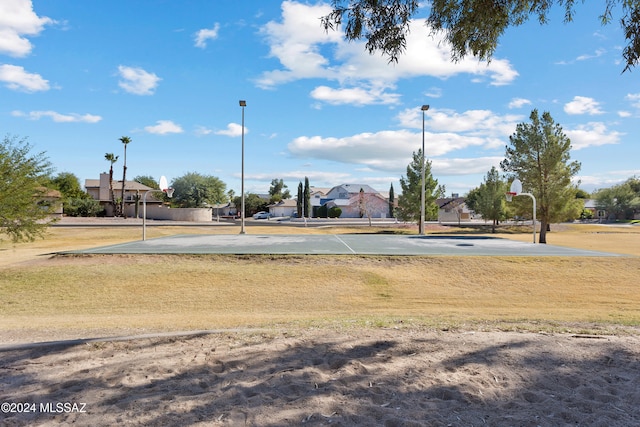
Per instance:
x=317, y=196
x=284, y=208
x=453, y=209
x=355, y=203
x=591, y=205
x=53, y=199
x=133, y=193
x=225, y=210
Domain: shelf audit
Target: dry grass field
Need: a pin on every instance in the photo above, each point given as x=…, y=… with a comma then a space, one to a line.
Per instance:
x=46, y=296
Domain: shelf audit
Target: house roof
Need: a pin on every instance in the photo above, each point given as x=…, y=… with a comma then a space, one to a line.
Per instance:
x=117, y=185
x=453, y=201
x=355, y=188
x=318, y=190
x=286, y=203
x=50, y=193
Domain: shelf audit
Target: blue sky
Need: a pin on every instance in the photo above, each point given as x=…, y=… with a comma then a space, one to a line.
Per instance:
x=75, y=76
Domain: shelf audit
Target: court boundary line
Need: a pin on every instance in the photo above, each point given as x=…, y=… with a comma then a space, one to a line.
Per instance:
x=345, y=243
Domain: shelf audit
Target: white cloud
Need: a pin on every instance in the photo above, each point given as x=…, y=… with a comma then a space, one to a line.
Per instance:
x=385, y=150
x=295, y=176
x=17, y=78
x=434, y=92
x=457, y=143
x=233, y=129
x=206, y=34
x=202, y=131
x=457, y=166
x=634, y=98
x=583, y=105
x=354, y=96
x=596, y=54
x=605, y=179
x=518, y=103
x=474, y=122
x=306, y=51
x=137, y=81
x=17, y=19
x=624, y=114
x=592, y=134
x=164, y=127
x=58, y=117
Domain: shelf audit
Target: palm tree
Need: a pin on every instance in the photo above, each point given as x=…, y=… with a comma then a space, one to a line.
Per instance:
x=110, y=157
x=125, y=140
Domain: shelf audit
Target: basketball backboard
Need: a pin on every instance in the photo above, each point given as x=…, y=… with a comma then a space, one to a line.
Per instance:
x=164, y=185
x=516, y=187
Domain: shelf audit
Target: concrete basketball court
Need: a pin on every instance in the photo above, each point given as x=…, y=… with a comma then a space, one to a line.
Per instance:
x=342, y=244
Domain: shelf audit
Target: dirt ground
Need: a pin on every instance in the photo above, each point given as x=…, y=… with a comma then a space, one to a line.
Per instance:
x=370, y=377
x=408, y=376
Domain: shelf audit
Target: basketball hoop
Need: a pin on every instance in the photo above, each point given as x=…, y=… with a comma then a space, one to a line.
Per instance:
x=510, y=195
x=168, y=191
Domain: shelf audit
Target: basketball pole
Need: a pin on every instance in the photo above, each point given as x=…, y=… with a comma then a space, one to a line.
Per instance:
x=510, y=194
x=167, y=191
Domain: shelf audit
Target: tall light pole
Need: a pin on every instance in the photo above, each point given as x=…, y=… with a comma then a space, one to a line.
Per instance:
x=242, y=104
x=424, y=159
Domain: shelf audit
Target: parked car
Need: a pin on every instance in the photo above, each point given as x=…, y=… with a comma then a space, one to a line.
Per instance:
x=262, y=215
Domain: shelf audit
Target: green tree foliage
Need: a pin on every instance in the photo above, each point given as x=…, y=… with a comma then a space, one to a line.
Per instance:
x=334, y=212
x=469, y=26
x=307, y=198
x=325, y=212
x=539, y=155
x=409, y=201
x=586, y=214
x=392, y=199
x=299, y=200
x=69, y=186
x=147, y=180
x=621, y=201
x=23, y=176
x=82, y=207
x=278, y=191
x=489, y=200
x=252, y=204
x=471, y=199
x=194, y=190
x=581, y=194
x=75, y=201
x=151, y=182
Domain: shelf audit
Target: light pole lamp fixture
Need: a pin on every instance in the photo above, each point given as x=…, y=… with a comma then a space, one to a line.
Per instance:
x=243, y=104
x=424, y=160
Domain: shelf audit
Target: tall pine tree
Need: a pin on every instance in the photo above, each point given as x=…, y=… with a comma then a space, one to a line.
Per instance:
x=391, y=202
x=409, y=201
x=490, y=200
x=307, y=198
x=539, y=155
x=299, y=200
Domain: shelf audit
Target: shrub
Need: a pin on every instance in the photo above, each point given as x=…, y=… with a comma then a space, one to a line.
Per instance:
x=586, y=214
x=82, y=207
x=335, y=212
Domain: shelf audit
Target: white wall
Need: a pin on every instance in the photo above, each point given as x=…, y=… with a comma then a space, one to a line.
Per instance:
x=176, y=214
